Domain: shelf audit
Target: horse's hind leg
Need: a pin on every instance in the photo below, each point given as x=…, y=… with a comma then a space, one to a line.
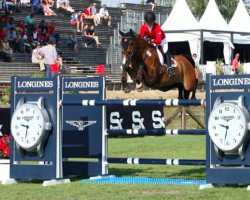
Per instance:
x=186, y=94
x=180, y=90
x=125, y=85
x=194, y=90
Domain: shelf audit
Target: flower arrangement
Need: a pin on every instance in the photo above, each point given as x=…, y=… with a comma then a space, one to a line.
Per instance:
x=4, y=146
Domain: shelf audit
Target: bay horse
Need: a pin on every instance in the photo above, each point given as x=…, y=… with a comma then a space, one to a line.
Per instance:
x=140, y=60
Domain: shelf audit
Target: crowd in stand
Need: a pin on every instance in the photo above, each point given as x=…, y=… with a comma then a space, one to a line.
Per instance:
x=24, y=35
x=30, y=36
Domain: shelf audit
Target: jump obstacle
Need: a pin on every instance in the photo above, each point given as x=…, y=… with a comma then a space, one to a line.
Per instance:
x=79, y=128
x=77, y=110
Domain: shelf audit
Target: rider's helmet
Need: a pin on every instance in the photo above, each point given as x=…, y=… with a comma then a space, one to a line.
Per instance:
x=149, y=17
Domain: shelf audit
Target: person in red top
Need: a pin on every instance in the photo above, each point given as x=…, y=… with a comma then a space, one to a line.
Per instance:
x=152, y=32
x=87, y=15
x=235, y=63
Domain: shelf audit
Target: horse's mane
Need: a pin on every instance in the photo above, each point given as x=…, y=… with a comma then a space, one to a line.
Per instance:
x=190, y=59
x=147, y=44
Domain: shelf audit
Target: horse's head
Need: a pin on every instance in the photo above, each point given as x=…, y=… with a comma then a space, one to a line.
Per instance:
x=128, y=45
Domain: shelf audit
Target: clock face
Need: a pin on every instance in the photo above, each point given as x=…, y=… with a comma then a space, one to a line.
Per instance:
x=227, y=126
x=27, y=126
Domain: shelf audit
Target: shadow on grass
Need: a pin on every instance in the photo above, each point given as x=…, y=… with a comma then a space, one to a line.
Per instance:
x=199, y=173
x=125, y=172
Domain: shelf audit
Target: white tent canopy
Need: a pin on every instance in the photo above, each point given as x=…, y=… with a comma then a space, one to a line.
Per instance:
x=212, y=19
x=180, y=18
x=240, y=21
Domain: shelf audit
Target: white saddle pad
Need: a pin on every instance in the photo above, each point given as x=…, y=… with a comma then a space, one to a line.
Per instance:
x=161, y=58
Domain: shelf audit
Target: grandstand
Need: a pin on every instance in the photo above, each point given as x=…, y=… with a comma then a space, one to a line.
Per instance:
x=85, y=62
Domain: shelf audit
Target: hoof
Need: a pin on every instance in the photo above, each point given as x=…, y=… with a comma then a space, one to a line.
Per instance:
x=139, y=87
x=127, y=89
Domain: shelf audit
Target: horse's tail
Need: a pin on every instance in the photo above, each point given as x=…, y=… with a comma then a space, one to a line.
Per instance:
x=190, y=59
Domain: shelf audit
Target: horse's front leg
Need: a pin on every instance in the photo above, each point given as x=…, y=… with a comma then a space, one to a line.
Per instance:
x=125, y=85
x=138, y=80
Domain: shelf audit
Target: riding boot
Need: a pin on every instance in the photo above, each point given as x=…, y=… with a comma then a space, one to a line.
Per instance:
x=171, y=71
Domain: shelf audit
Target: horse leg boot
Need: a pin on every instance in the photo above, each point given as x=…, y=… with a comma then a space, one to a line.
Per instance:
x=138, y=80
x=125, y=85
x=170, y=69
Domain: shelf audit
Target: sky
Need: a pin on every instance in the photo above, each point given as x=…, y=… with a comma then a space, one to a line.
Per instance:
x=113, y=3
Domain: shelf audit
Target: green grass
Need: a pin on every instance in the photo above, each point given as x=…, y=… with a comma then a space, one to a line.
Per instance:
x=191, y=147
x=183, y=147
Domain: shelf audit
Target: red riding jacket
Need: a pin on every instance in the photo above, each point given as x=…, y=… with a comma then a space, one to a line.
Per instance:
x=156, y=35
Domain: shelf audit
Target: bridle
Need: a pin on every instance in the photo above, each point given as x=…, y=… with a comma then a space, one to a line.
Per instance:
x=128, y=54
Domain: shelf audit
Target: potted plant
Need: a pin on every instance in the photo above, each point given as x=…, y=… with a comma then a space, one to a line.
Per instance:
x=219, y=67
x=6, y=93
x=4, y=158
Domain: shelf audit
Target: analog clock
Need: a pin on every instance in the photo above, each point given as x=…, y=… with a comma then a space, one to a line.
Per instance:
x=30, y=125
x=228, y=125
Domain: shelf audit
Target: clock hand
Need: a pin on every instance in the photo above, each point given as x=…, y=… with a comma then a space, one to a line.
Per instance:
x=224, y=126
x=27, y=127
x=227, y=127
x=24, y=125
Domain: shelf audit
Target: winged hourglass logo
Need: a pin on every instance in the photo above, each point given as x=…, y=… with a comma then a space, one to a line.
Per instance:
x=81, y=125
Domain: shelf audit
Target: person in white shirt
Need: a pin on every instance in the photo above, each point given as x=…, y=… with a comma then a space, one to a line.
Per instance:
x=37, y=58
x=104, y=14
x=50, y=57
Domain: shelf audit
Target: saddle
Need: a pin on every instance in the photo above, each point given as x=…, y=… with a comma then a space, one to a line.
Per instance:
x=162, y=57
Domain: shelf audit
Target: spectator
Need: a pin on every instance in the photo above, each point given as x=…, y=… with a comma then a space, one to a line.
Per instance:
x=104, y=14
x=91, y=33
x=88, y=40
x=11, y=35
x=87, y=15
x=36, y=7
x=20, y=27
x=79, y=22
x=94, y=12
x=10, y=23
x=7, y=50
x=56, y=68
x=55, y=37
x=46, y=8
x=4, y=20
x=196, y=61
x=64, y=4
x=72, y=42
x=235, y=64
x=19, y=43
x=29, y=22
x=50, y=57
x=43, y=26
x=152, y=3
x=37, y=57
x=10, y=5
x=3, y=33
x=42, y=39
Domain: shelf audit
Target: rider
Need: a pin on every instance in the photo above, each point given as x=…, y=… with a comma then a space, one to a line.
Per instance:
x=152, y=32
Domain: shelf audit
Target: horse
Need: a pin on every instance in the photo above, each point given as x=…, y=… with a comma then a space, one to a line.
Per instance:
x=141, y=61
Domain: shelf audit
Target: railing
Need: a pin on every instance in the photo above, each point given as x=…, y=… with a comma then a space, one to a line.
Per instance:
x=129, y=20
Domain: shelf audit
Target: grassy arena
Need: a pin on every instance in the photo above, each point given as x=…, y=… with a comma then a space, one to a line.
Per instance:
x=190, y=147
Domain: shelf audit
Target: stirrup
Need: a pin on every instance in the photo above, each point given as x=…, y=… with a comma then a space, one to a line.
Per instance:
x=171, y=71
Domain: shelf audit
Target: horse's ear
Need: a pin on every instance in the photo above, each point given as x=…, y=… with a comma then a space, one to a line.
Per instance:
x=121, y=33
